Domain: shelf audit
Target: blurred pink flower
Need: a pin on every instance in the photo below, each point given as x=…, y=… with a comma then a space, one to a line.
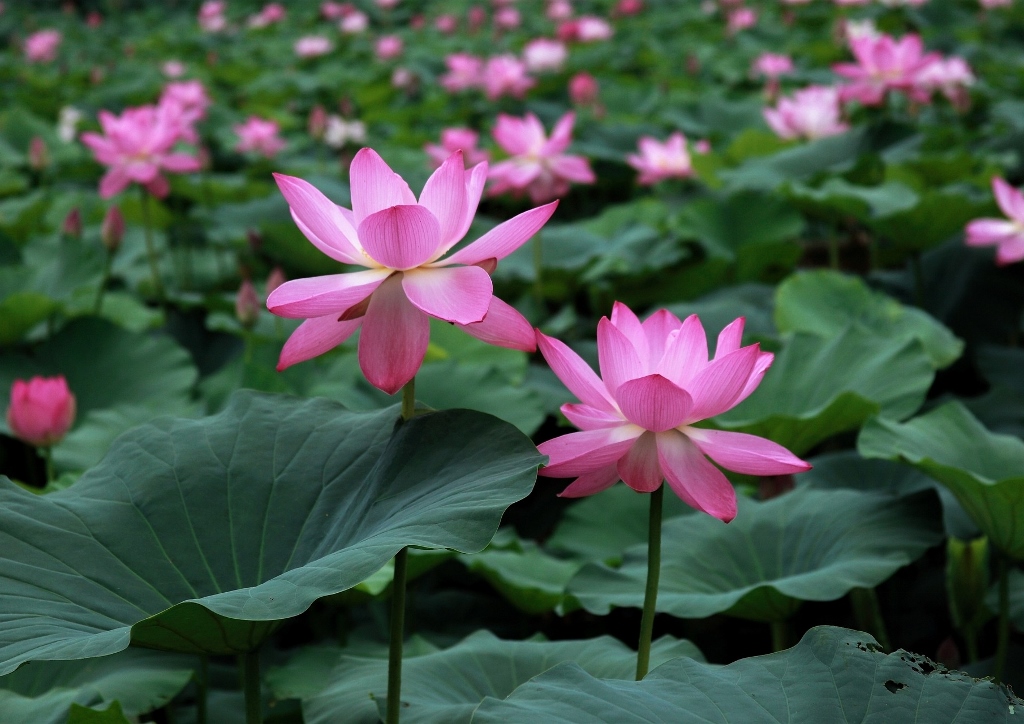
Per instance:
x=583, y=89
x=629, y=7
x=992, y=4
x=402, y=243
x=354, y=23
x=950, y=76
x=772, y=65
x=813, y=112
x=585, y=29
x=211, y=16
x=637, y=418
x=544, y=54
x=41, y=46
x=270, y=14
x=1006, y=235
x=507, y=18
x=457, y=139
x=464, y=71
x=173, y=68
x=259, y=135
x=884, y=64
x=559, y=10
x=41, y=410
x=388, y=47
x=311, y=46
x=137, y=146
x=447, y=23
x=505, y=75
x=476, y=16
x=387, y=4
x=275, y=279
x=335, y=11
x=741, y=19
x=189, y=101
x=247, y=305
x=659, y=161
x=538, y=165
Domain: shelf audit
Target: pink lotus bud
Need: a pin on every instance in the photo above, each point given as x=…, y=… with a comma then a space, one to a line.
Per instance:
x=72, y=225
x=255, y=240
x=447, y=24
x=41, y=411
x=247, y=304
x=112, y=229
x=629, y=7
x=477, y=17
x=416, y=22
x=507, y=18
x=583, y=89
x=94, y=19
x=276, y=279
x=317, y=122
x=388, y=47
x=38, y=154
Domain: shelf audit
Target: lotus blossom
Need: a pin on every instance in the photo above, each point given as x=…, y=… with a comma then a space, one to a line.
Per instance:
x=340, y=131
x=1007, y=235
x=544, y=54
x=211, y=16
x=659, y=161
x=457, y=139
x=585, y=29
x=950, y=76
x=507, y=18
x=992, y=4
x=270, y=14
x=583, y=89
x=409, y=276
x=772, y=65
x=538, y=165
x=559, y=10
x=885, y=64
x=260, y=135
x=189, y=96
x=638, y=418
x=813, y=112
x=354, y=23
x=741, y=19
x=464, y=71
x=173, y=68
x=388, y=47
x=505, y=75
x=312, y=46
x=41, y=46
x=42, y=410
x=136, y=146
x=447, y=23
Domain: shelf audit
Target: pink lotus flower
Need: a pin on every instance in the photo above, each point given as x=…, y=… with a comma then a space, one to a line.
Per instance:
x=586, y=29
x=544, y=54
x=270, y=14
x=464, y=71
x=813, y=112
x=629, y=7
x=211, y=16
x=388, y=47
x=190, y=102
x=992, y=4
x=312, y=46
x=335, y=11
x=1006, y=235
x=42, y=410
x=740, y=19
x=41, y=47
x=884, y=64
x=950, y=76
x=457, y=139
x=402, y=243
x=638, y=420
x=447, y=23
x=772, y=65
x=583, y=89
x=354, y=23
x=505, y=75
x=659, y=161
x=538, y=165
x=136, y=146
x=507, y=18
x=259, y=135
x=247, y=305
x=559, y=10
x=173, y=68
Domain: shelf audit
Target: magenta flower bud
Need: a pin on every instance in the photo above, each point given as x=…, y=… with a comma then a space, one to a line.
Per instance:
x=583, y=89
x=112, y=230
x=38, y=154
x=41, y=411
x=72, y=225
x=247, y=305
x=317, y=122
x=276, y=279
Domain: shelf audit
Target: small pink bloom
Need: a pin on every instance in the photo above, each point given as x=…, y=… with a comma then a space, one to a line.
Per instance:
x=629, y=7
x=312, y=46
x=247, y=305
x=1006, y=235
x=464, y=71
x=992, y=4
x=404, y=79
x=317, y=123
x=585, y=29
x=354, y=23
x=884, y=64
x=505, y=75
x=173, y=68
x=38, y=154
x=659, y=161
x=544, y=54
x=335, y=11
x=507, y=18
x=583, y=89
x=190, y=102
x=476, y=16
x=41, y=47
x=42, y=410
x=559, y=10
x=259, y=135
x=275, y=279
x=538, y=164
x=951, y=76
x=137, y=146
x=72, y=225
x=772, y=65
x=93, y=19
x=447, y=23
x=638, y=418
x=741, y=19
x=457, y=139
x=388, y=47
x=211, y=16
x=112, y=229
x=813, y=112
x=270, y=14
x=403, y=244
x=387, y=4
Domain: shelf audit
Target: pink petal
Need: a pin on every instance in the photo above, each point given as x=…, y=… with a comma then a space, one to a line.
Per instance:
x=444, y=195
x=394, y=337
x=618, y=359
x=158, y=186
x=400, y=237
x=986, y=232
x=686, y=353
x=475, y=180
x=319, y=296
x=575, y=373
x=592, y=482
x=460, y=294
x=1010, y=200
x=747, y=454
x=180, y=163
x=657, y=328
x=114, y=181
x=573, y=168
x=320, y=220
x=695, y=480
x=503, y=326
x=561, y=136
x=314, y=337
x=716, y=388
x=654, y=403
x=586, y=417
x=764, y=361
x=582, y=452
x=639, y=468
x=504, y=238
x=730, y=338
x=1010, y=251
x=627, y=323
x=375, y=186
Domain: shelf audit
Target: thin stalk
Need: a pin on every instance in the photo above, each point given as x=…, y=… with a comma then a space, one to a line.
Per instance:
x=1003, y=642
x=868, y=615
x=251, y=682
x=643, y=652
x=47, y=452
x=154, y=268
x=538, y=271
x=409, y=399
x=918, y=272
x=780, y=635
x=98, y=307
x=202, y=686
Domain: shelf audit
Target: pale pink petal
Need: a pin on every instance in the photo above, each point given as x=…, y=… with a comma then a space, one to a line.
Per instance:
x=618, y=359
x=716, y=388
x=747, y=454
x=319, y=296
x=320, y=220
x=1010, y=251
x=654, y=403
x=375, y=186
x=764, y=361
x=114, y=181
x=586, y=417
x=573, y=168
x=686, y=353
x=444, y=195
x=561, y=136
x=575, y=373
x=503, y=326
x=695, y=480
x=1010, y=200
x=180, y=163
x=512, y=135
x=460, y=294
x=581, y=452
x=394, y=337
x=592, y=482
x=504, y=238
x=400, y=237
x=639, y=468
x=476, y=178
x=314, y=337
x=158, y=186
x=730, y=338
x=627, y=323
x=986, y=232
x=657, y=329
x=346, y=254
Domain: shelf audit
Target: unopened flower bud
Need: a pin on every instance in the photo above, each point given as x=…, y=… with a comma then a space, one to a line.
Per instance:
x=276, y=279
x=967, y=582
x=112, y=230
x=255, y=239
x=42, y=410
x=38, y=155
x=583, y=89
x=247, y=305
x=317, y=122
x=72, y=226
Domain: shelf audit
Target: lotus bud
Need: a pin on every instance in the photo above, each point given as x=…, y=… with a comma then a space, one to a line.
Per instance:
x=42, y=410
x=38, y=154
x=276, y=279
x=255, y=240
x=967, y=582
x=112, y=230
x=247, y=305
x=72, y=226
x=317, y=122
x=583, y=89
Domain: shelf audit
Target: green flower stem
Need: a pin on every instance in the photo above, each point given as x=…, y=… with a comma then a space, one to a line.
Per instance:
x=251, y=679
x=643, y=653
x=154, y=268
x=538, y=271
x=394, y=703
x=202, y=685
x=868, y=615
x=47, y=453
x=1003, y=642
x=104, y=282
x=780, y=635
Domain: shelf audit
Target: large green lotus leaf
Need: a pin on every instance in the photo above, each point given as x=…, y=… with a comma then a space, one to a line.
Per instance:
x=818, y=387
x=42, y=692
x=22, y=311
x=984, y=470
x=444, y=687
x=824, y=302
x=808, y=545
x=939, y=214
x=833, y=675
x=837, y=199
x=798, y=162
x=724, y=226
x=203, y=535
